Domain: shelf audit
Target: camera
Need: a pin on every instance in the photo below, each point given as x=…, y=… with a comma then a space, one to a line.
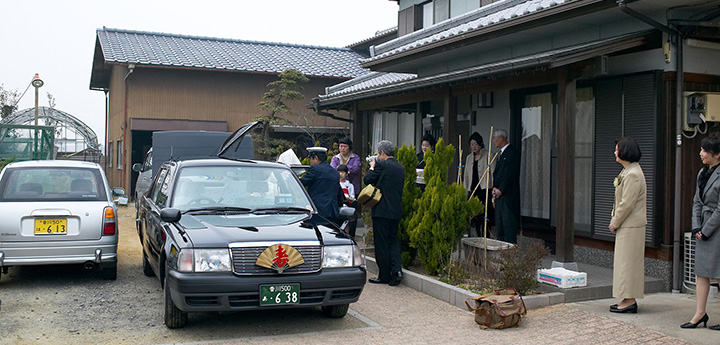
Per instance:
x=370, y=158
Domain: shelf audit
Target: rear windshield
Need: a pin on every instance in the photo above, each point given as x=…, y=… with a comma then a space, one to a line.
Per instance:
x=52, y=184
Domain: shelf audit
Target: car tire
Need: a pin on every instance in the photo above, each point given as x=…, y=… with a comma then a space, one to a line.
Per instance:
x=174, y=317
x=109, y=272
x=147, y=269
x=336, y=311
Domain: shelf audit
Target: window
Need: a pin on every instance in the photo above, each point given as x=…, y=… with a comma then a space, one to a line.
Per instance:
x=119, y=154
x=110, y=154
x=157, y=186
x=53, y=184
x=427, y=14
x=399, y=128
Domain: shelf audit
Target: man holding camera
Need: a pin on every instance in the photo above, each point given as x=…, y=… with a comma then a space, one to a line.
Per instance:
x=389, y=176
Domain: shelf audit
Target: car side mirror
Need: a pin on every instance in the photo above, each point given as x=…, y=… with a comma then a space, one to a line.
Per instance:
x=137, y=167
x=170, y=215
x=347, y=212
x=118, y=191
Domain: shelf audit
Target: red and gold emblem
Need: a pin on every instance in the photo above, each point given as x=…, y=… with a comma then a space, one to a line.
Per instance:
x=280, y=257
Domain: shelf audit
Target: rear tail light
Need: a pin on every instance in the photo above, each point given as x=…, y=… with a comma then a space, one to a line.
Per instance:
x=109, y=222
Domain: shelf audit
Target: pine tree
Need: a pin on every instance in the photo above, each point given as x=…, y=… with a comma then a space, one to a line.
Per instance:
x=406, y=156
x=443, y=212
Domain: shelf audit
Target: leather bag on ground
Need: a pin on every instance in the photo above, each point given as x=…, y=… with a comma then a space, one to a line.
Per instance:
x=500, y=309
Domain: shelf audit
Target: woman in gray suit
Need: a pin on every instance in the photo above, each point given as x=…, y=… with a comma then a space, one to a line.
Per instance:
x=629, y=218
x=705, y=223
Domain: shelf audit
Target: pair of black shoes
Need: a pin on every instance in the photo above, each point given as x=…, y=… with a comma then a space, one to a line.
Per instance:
x=633, y=308
x=394, y=280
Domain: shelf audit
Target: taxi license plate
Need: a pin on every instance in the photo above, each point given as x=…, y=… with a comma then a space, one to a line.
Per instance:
x=280, y=294
x=50, y=226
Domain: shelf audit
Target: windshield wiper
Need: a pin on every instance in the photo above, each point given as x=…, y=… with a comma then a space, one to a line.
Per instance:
x=290, y=209
x=218, y=210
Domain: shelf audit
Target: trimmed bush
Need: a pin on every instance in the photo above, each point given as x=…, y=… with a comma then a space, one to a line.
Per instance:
x=443, y=212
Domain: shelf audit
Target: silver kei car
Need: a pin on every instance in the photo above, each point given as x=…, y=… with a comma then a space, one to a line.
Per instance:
x=58, y=212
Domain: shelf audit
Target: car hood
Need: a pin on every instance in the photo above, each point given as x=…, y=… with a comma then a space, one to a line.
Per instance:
x=220, y=231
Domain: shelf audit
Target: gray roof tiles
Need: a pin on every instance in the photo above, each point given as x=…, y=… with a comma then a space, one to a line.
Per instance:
x=161, y=49
x=478, y=19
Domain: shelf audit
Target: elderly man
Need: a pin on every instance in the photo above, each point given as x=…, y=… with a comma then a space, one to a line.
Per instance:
x=506, y=188
x=323, y=184
x=389, y=176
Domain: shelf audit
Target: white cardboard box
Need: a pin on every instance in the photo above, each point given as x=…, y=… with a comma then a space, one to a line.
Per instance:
x=562, y=277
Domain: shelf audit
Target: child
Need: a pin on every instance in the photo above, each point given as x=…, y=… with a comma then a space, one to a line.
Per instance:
x=346, y=186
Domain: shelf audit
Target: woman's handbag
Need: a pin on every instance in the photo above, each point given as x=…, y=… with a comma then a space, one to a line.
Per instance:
x=500, y=309
x=370, y=195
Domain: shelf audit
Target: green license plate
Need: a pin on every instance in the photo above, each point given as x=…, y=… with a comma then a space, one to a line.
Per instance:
x=280, y=294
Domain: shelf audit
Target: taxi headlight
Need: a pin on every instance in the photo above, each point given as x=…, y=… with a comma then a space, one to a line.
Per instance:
x=204, y=260
x=341, y=256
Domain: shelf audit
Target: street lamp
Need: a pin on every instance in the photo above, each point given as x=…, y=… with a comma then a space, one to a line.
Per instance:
x=37, y=83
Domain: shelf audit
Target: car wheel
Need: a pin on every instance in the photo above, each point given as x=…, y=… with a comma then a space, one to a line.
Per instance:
x=174, y=317
x=336, y=311
x=147, y=270
x=109, y=272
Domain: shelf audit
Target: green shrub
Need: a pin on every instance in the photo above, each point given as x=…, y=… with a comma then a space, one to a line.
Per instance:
x=519, y=264
x=407, y=157
x=443, y=212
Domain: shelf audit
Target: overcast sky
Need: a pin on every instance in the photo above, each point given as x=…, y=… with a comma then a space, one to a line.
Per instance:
x=56, y=38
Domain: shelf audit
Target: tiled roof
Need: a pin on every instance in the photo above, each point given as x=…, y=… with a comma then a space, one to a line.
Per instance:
x=367, y=81
x=380, y=83
x=378, y=33
x=483, y=17
x=160, y=49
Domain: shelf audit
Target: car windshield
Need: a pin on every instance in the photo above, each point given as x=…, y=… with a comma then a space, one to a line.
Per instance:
x=233, y=188
x=52, y=184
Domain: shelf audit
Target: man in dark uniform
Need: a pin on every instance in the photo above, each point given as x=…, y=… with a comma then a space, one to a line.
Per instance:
x=323, y=184
x=389, y=176
x=506, y=188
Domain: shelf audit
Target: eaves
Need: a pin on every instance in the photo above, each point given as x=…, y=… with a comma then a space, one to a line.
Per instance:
x=497, y=30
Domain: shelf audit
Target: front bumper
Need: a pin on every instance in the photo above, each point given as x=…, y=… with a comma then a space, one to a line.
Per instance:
x=227, y=292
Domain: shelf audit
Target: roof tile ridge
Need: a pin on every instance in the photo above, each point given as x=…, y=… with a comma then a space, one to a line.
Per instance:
x=219, y=39
x=353, y=81
x=448, y=24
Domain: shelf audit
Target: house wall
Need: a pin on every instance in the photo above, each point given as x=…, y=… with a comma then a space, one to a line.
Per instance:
x=173, y=94
x=498, y=116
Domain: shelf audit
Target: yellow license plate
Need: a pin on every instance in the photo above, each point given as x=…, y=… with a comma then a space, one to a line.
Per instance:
x=50, y=226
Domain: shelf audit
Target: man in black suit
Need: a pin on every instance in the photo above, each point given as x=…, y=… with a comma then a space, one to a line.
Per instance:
x=323, y=184
x=506, y=188
x=389, y=176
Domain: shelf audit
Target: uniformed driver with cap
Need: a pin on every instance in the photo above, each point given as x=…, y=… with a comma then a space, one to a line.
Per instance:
x=323, y=184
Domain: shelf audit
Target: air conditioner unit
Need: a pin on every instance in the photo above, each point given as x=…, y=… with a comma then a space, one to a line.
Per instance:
x=689, y=258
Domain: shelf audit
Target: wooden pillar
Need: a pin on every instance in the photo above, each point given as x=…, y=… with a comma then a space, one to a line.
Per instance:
x=450, y=130
x=356, y=132
x=565, y=235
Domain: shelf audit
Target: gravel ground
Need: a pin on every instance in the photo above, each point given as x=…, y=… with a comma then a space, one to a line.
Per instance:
x=69, y=305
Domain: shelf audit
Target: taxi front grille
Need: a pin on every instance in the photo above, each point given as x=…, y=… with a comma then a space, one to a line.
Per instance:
x=244, y=261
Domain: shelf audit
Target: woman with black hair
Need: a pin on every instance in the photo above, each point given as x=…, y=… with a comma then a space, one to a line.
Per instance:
x=629, y=218
x=705, y=225
x=427, y=143
x=477, y=178
x=352, y=162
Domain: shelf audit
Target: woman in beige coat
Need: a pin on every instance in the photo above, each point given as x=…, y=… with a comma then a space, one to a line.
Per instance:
x=629, y=218
x=476, y=172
